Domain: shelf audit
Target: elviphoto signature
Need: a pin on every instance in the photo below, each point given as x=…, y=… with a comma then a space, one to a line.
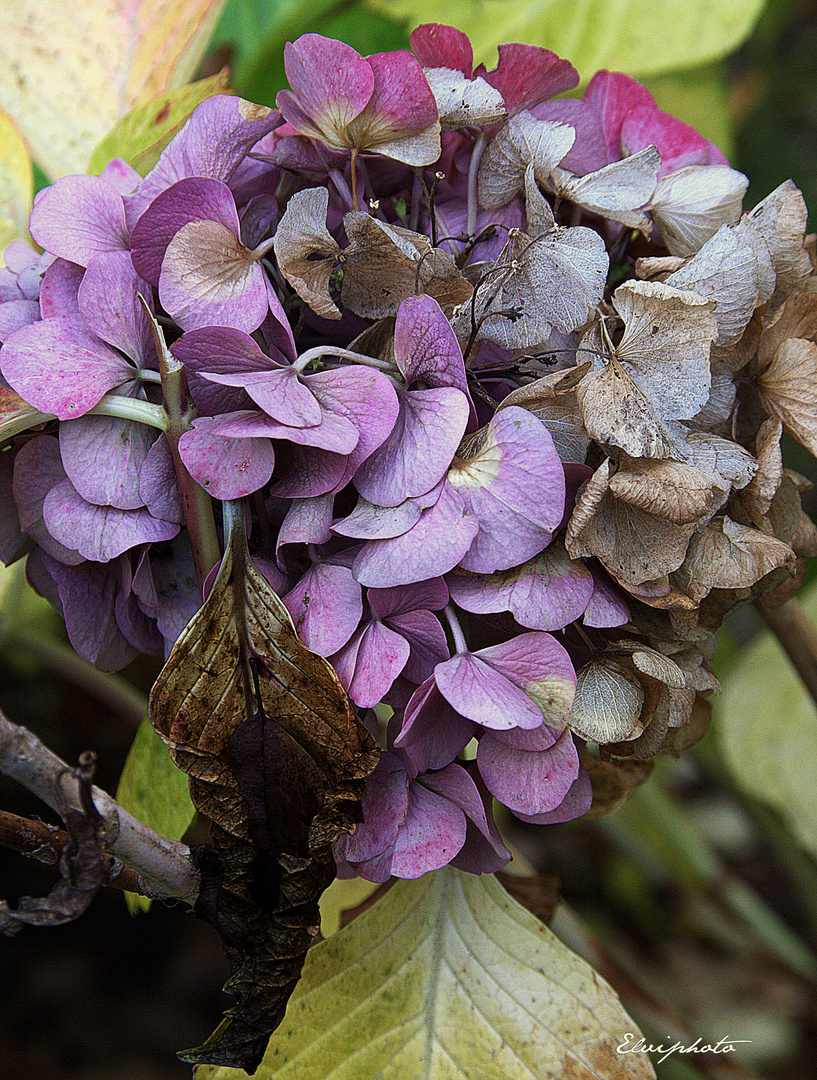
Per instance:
x=637, y=1044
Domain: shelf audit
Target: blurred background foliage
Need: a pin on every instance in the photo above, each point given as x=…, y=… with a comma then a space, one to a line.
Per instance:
x=697, y=899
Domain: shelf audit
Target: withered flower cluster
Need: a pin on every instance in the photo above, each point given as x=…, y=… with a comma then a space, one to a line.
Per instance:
x=503, y=374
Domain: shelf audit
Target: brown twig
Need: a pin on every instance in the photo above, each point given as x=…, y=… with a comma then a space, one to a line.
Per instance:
x=796, y=633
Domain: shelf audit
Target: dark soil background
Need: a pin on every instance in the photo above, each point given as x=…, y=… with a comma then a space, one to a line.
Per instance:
x=113, y=997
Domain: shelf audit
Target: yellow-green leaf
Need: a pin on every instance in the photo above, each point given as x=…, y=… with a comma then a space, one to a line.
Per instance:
x=701, y=98
x=141, y=136
x=16, y=184
x=767, y=726
x=641, y=37
x=448, y=978
x=154, y=790
x=71, y=70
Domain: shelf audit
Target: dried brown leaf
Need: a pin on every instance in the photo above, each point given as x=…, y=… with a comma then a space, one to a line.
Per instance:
x=613, y=782
x=670, y=490
x=278, y=778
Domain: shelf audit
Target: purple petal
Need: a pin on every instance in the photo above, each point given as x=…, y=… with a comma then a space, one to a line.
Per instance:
x=546, y=593
x=212, y=143
x=589, y=151
x=366, y=398
x=308, y=521
x=483, y=694
x=209, y=278
x=218, y=350
x=425, y=346
x=607, y=605
x=528, y=781
x=426, y=637
x=100, y=533
x=331, y=84
x=515, y=487
x=483, y=851
x=433, y=733
x=59, y=289
x=227, y=468
x=87, y=593
x=37, y=469
x=370, y=522
x=431, y=595
x=178, y=596
x=369, y=663
x=326, y=606
x=12, y=538
x=193, y=199
x=537, y=663
x=430, y=548
x=419, y=449
x=59, y=367
x=158, y=486
x=103, y=457
x=15, y=314
x=109, y=302
x=311, y=473
x=577, y=802
x=79, y=217
x=280, y=393
x=334, y=432
x=430, y=837
x=384, y=808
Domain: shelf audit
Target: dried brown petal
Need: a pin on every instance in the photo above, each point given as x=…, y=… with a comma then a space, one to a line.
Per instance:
x=781, y=220
x=756, y=498
x=306, y=251
x=617, y=191
x=670, y=490
x=608, y=702
x=788, y=388
x=612, y=782
x=726, y=555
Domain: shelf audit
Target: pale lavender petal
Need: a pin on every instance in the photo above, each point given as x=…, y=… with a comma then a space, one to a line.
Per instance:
x=326, y=606
x=546, y=593
x=218, y=350
x=59, y=289
x=209, y=278
x=226, y=468
x=431, y=595
x=15, y=314
x=607, y=605
x=37, y=469
x=431, y=835
x=370, y=522
x=158, y=486
x=79, y=217
x=433, y=733
x=515, y=487
x=483, y=851
x=425, y=346
x=384, y=808
x=430, y=548
x=193, y=199
x=121, y=176
x=13, y=542
x=425, y=635
x=100, y=533
x=577, y=802
x=483, y=694
x=109, y=302
x=280, y=393
x=541, y=738
x=419, y=449
x=57, y=366
x=103, y=457
x=334, y=432
x=537, y=663
x=528, y=781
x=363, y=396
x=87, y=594
x=212, y=143
x=308, y=521
x=369, y=663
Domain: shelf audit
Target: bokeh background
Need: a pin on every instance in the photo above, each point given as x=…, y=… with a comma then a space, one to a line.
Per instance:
x=697, y=900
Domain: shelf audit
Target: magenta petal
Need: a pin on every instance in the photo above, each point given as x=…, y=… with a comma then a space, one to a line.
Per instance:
x=59, y=367
x=103, y=457
x=218, y=350
x=37, y=469
x=528, y=781
x=436, y=45
x=326, y=606
x=528, y=74
x=87, y=593
x=100, y=533
x=334, y=432
x=483, y=694
x=432, y=547
x=227, y=468
x=108, y=300
x=193, y=199
x=369, y=663
x=311, y=472
x=419, y=449
x=79, y=217
x=59, y=289
x=577, y=802
x=612, y=95
x=401, y=103
x=279, y=392
x=515, y=487
x=433, y=733
x=330, y=80
x=678, y=144
x=384, y=808
x=158, y=487
x=430, y=837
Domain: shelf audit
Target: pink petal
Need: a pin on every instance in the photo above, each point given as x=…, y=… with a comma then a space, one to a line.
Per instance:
x=334, y=432
x=528, y=782
x=436, y=45
x=678, y=144
x=37, y=469
x=430, y=837
x=480, y=692
x=369, y=663
x=218, y=350
x=307, y=521
x=59, y=289
x=612, y=95
x=158, y=486
x=331, y=84
x=280, y=393
x=527, y=74
x=432, y=733
x=104, y=456
x=577, y=802
x=483, y=851
x=384, y=810
x=79, y=217
x=108, y=300
x=431, y=595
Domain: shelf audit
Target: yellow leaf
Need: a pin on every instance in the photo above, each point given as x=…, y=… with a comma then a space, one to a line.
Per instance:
x=16, y=184
x=71, y=70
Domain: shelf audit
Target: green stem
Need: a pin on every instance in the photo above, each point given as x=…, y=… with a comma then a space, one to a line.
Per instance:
x=144, y=412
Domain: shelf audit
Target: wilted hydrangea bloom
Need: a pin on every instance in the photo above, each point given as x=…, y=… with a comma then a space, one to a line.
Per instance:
x=509, y=502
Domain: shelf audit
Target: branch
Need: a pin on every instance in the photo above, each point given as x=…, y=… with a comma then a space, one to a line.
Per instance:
x=163, y=867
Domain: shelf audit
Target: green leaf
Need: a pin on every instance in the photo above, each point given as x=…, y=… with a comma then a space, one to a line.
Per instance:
x=640, y=37
x=16, y=184
x=448, y=978
x=766, y=724
x=141, y=136
x=154, y=790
